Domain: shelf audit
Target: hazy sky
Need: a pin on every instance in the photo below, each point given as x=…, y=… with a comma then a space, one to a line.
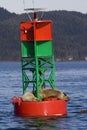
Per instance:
x=18, y=6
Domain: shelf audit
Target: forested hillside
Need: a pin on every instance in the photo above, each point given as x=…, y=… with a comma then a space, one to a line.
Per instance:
x=69, y=35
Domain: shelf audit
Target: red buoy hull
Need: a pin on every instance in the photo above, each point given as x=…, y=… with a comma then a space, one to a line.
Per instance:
x=52, y=107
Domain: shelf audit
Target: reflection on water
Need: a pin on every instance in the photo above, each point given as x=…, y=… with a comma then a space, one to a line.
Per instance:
x=56, y=123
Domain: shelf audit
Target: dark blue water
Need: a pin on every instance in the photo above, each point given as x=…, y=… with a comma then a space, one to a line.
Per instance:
x=71, y=78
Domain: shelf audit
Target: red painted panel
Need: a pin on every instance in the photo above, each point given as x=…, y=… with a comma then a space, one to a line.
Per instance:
x=27, y=31
x=43, y=31
x=36, y=30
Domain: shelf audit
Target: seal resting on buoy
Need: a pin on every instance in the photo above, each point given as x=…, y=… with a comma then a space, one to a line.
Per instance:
x=50, y=92
x=46, y=93
x=28, y=96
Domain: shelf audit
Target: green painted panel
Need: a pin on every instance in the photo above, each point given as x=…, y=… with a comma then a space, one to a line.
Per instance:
x=27, y=49
x=44, y=48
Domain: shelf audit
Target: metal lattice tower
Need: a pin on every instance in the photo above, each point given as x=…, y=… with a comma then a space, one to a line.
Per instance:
x=37, y=55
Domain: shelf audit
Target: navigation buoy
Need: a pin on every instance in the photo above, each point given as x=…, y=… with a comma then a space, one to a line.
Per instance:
x=51, y=107
x=38, y=59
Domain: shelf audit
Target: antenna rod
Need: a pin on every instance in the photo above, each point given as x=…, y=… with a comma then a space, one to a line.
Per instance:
x=35, y=16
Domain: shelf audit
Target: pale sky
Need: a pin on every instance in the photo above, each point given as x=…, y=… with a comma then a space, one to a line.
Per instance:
x=18, y=6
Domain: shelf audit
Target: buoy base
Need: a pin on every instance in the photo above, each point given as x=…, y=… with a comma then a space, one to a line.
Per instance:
x=49, y=107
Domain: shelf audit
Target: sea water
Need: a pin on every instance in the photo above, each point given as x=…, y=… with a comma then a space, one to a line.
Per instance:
x=71, y=78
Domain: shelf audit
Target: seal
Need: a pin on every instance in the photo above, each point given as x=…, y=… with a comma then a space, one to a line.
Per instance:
x=28, y=96
x=46, y=93
x=50, y=92
x=83, y=111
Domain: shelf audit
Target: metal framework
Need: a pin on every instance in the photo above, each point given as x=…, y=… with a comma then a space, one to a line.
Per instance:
x=37, y=57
